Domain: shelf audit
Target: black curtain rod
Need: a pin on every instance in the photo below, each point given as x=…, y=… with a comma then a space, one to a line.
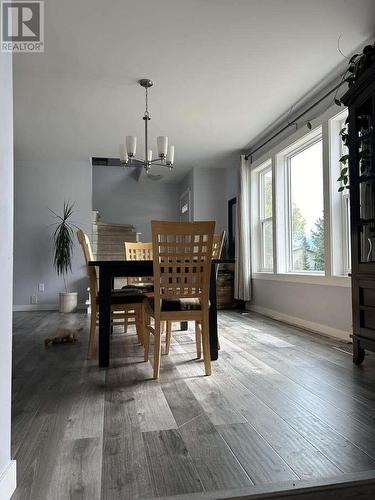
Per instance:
x=294, y=121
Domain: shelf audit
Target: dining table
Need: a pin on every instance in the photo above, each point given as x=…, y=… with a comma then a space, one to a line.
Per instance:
x=111, y=269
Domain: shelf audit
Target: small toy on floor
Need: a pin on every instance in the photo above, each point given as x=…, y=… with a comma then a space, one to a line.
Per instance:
x=64, y=335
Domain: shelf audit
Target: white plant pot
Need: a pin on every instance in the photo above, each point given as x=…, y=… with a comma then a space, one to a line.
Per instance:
x=68, y=302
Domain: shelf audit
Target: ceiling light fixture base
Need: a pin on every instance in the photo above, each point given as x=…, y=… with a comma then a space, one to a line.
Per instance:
x=146, y=83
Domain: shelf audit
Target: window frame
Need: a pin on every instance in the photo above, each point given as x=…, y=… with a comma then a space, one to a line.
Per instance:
x=339, y=202
x=334, y=276
x=346, y=257
x=262, y=219
x=255, y=209
x=305, y=143
x=345, y=216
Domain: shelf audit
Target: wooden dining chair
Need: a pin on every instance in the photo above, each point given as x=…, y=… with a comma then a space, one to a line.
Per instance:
x=182, y=253
x=139, y=251
x=217, y=248
x=125, y=304
x=144, y=284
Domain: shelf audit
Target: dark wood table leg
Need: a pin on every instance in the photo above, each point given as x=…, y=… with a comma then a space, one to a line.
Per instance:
x=213, y=315
x=105, y=283
x=183, y=325
x=112, y=288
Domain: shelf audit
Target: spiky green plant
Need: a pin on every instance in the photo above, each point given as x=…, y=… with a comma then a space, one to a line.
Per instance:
x=63, y=238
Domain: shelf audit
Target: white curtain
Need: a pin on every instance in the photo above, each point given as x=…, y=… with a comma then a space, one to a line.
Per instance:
x=242, y=276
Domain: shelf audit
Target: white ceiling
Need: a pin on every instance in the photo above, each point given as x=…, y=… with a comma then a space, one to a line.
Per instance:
x=223, y=69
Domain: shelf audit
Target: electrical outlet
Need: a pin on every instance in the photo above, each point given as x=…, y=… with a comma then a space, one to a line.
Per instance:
x=33, y=299
x=41, y=287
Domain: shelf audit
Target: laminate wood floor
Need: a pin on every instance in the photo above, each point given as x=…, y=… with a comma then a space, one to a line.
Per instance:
x=282, y=405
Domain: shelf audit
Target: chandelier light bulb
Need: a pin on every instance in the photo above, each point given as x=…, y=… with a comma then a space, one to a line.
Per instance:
x=131, y=145
x=170, y=156
x=162, y=142
x=123, y=154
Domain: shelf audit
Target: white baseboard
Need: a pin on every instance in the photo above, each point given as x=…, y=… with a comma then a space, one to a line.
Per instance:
x=36, y=307
x=8, y=481
x=42, y=307
x=301, y=323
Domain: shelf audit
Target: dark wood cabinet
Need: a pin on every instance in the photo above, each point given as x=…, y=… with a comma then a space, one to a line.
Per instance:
x=360, y=100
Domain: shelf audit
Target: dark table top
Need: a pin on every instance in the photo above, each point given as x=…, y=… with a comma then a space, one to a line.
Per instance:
x=143, y=263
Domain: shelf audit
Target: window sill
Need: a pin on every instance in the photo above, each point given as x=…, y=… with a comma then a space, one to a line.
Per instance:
x=342, y=281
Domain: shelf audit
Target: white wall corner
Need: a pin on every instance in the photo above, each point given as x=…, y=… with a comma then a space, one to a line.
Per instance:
x=8, y=481
x=300, y=323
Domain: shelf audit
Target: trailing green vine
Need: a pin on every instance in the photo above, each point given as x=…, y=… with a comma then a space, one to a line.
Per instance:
x=344, y=160
x=357, y=65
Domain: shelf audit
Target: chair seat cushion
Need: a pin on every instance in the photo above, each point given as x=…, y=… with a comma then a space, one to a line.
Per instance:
x=189, y=304
x=125, y=297
x=140, y=287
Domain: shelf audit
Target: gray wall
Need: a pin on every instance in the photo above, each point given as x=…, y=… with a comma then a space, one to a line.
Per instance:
x=6, y=259
x=121, y=199
x=39, y=186
x=209, y=196
x=231, y=180
x=329, y=306
x=210, y=190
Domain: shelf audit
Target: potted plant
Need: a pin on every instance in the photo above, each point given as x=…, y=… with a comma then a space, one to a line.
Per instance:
x=63, y=238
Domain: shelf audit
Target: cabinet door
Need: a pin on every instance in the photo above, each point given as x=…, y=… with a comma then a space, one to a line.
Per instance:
x=364, y=314
x=363, y=185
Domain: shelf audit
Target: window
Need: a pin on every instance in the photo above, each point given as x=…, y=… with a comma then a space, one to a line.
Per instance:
x=345, y=210
x=265, y=219
x=347, y=257
x=305, y=223
x=340, y=202
x=300, y=221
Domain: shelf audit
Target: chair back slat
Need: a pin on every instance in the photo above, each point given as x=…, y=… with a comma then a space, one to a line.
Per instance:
x=182, y=254
x=91, y=270
x=138, y=251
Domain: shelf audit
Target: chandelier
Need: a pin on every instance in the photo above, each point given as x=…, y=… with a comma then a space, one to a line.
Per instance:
x=128, y=150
